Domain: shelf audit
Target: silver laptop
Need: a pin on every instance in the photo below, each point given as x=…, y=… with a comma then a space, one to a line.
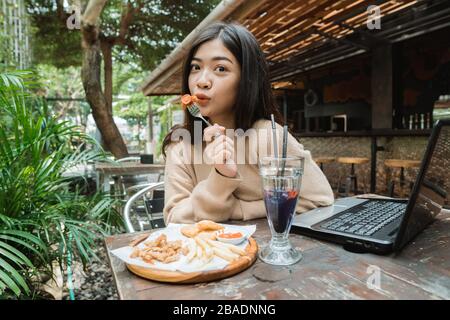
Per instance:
x=383, y=226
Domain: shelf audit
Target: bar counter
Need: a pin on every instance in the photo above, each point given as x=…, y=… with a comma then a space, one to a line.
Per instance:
x=377, y=145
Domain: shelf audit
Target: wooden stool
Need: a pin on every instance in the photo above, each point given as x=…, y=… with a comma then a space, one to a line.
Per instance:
x=351, y=180
x=321, y=160
x=402, y=164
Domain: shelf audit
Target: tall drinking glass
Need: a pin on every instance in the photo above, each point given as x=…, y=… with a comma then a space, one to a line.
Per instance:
x=281, y=181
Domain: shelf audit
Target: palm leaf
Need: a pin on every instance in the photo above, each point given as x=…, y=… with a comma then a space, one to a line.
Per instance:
x=11, y=278
x=14, y=255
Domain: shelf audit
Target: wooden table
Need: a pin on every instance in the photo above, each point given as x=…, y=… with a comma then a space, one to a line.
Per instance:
x=105, y=171
x=420, y=271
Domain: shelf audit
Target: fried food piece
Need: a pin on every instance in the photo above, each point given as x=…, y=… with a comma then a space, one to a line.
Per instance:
x=159, y=249
x=148, y=258
x=190, y=231
x=211, y=235
x=135, y=253
x=170, y=259
x=208, y=225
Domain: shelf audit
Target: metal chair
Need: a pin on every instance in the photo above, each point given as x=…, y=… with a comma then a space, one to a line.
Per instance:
x=128, y=182
x=127, y=159
x=144, y=209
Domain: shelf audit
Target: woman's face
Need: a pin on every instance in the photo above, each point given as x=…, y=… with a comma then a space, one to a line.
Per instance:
x=214, y=79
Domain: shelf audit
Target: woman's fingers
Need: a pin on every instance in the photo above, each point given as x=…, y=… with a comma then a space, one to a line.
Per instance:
x=213, y=131
x=223, y=146
x=222, y=156
x=221, y=141
x=214, y=150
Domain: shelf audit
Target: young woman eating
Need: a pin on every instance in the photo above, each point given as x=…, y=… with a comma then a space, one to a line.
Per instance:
x=226, y=70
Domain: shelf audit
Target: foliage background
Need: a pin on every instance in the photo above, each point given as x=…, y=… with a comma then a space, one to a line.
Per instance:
x=45, y=214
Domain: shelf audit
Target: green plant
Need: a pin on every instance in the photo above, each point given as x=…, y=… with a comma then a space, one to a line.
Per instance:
x=43, y=213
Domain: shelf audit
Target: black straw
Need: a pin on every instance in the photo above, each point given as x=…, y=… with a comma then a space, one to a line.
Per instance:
x=274, y=137
x=285, y=135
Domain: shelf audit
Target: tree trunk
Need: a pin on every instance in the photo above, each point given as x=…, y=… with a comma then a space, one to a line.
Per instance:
x=107, y=61
x=90, y=75
x=150, y=120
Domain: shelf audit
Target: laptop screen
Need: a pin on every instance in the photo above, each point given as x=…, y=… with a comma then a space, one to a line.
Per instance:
x=431, y=187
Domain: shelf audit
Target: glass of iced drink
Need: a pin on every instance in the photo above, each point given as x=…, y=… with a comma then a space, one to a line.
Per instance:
x=281, y=181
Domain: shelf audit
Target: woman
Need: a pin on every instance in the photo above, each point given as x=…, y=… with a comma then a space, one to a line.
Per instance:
x=227, y=71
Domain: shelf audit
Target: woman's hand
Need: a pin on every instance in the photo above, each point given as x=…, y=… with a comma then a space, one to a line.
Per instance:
x=220, y=151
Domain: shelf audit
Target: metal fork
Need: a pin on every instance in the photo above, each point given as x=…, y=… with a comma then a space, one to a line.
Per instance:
x=194, y=110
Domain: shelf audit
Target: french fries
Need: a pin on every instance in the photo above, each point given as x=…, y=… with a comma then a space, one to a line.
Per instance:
x=202, y=243
x=225, y=254
x=227, y=246
x=199, y=251
x=192, y=250
x=204, y=250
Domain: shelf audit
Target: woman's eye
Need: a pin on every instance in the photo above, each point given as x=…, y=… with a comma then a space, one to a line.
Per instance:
x=220, y=68
x=195, y=67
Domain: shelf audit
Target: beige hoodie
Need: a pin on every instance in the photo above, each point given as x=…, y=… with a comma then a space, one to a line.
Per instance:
x=194, y=192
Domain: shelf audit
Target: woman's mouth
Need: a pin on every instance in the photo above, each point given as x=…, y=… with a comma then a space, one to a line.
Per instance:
x=203, y=99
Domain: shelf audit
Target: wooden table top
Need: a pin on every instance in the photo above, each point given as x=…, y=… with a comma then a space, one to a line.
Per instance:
x=324, y=159
x=327, y=271
x=353, y=160
x=399, y=163
x=128, y=168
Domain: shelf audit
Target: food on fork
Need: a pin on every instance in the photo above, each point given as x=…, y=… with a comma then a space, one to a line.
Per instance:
x=187, y=100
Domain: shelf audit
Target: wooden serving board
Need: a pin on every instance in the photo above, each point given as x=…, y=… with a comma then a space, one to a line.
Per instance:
x=202, y=276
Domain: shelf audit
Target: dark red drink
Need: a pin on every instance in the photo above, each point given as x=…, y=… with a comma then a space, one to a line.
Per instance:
x=280, y=205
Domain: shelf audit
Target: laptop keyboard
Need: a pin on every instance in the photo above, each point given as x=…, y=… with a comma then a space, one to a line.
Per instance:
x=365, y=219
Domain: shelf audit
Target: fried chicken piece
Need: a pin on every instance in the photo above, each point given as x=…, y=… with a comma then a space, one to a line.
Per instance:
x=190, y=231
x=208, y=225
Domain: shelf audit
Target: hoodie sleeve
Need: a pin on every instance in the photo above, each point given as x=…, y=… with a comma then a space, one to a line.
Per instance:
x=212, y=198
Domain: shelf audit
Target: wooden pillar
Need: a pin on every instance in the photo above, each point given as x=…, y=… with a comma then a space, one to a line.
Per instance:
x=382, y=87
x=285, y=106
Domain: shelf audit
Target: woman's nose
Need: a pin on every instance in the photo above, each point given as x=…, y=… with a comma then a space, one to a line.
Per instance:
x=204, y=82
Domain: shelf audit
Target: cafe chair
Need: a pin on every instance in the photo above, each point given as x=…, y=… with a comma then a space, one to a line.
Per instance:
x=323, y=160
x=144, y=209
x=126, y=183
x=129, y=159
x=351, y=182
x=402, y=165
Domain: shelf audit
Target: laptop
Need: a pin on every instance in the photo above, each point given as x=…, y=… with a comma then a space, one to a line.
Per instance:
x=386, y=225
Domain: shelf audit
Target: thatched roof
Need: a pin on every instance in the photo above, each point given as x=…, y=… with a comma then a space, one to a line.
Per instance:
x=300, y=35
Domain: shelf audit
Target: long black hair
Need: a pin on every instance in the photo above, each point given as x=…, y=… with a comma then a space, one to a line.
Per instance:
x=255, y=99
